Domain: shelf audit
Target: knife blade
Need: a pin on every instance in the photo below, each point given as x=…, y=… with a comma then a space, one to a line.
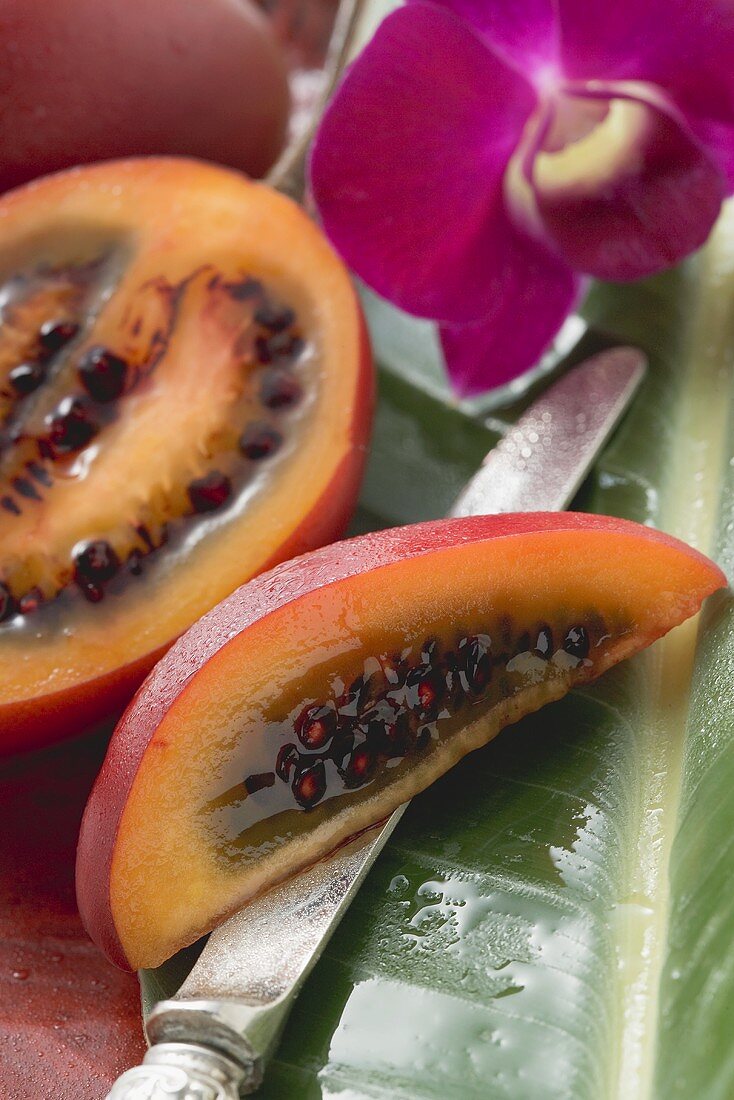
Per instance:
x=212, y=1039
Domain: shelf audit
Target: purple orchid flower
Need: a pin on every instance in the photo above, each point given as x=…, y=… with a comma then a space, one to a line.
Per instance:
x=481, y=156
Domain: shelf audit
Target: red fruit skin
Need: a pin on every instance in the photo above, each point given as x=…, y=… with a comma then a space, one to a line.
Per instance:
x=69, y=1020
x=253, y=601
x=88, y=80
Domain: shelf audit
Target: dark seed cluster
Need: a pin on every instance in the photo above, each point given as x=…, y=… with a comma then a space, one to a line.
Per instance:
x=394, y=711
x=52, y=337
x=103, y=377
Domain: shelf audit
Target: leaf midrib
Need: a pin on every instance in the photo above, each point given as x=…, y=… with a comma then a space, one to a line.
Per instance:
x=688, y=508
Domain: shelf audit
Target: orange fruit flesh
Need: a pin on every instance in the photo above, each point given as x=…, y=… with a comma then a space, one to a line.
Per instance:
x=208, y=822
x=233, y=319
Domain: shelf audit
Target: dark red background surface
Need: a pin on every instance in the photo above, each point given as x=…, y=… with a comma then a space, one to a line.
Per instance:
x=69, y=1020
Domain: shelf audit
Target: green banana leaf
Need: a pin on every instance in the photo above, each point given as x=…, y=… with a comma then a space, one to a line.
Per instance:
x=555, y=917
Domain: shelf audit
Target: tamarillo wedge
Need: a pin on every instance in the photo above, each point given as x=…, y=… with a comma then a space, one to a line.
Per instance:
x=323, y=694
x=185, y=400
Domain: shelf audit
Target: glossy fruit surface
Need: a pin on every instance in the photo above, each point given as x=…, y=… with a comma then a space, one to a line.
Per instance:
x=143, y=476
x=88, y=80
x=322, y=695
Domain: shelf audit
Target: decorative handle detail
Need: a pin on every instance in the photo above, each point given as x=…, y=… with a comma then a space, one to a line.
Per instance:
x=180, y=1071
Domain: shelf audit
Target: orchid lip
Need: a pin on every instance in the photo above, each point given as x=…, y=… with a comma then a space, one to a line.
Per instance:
x=580, y=140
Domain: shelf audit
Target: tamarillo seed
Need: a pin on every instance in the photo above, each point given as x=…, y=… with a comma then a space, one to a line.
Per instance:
x=396, y=737
x=103, y=374
x=315, y=725
x=25, y=488
x=95, y=563
x=423, y=738
x=576, y=643
x=30, y=602
x=309, y=786
x=430, y=652
x=279, y=389
x=287, y=759
x=72, y=426
x=27, y=377
x=210, y=492
x=361, y=765
x=244, y=290
x=427, y=691
x=92, y=592
x=341, y=747
x=279, y=347
x=40, y=473
x=54, y=334
x=476, y=663
x=274, y=318
x=260, y=441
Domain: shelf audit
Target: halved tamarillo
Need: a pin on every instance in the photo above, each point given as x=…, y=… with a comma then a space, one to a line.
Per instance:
x=185, y=400
x=323, y=694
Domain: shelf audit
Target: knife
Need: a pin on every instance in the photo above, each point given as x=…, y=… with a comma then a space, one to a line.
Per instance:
x=213, y=1038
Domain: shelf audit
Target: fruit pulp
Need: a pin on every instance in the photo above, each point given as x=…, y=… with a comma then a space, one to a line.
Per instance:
x=320, y=696
x=185, y=398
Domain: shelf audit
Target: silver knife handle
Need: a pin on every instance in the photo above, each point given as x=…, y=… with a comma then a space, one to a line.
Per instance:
x=181, y=1071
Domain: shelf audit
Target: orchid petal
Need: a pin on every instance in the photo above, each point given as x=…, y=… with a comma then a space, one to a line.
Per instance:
x=633, y=197
x=538, y=296
x=407, y=167
x=685, y=46
x=524, y=32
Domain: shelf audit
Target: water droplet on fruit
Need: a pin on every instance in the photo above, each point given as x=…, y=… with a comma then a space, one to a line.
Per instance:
x=260, y=441
x=27, y=377
x=398, y=885
x=103, y=374
x=21, y=974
